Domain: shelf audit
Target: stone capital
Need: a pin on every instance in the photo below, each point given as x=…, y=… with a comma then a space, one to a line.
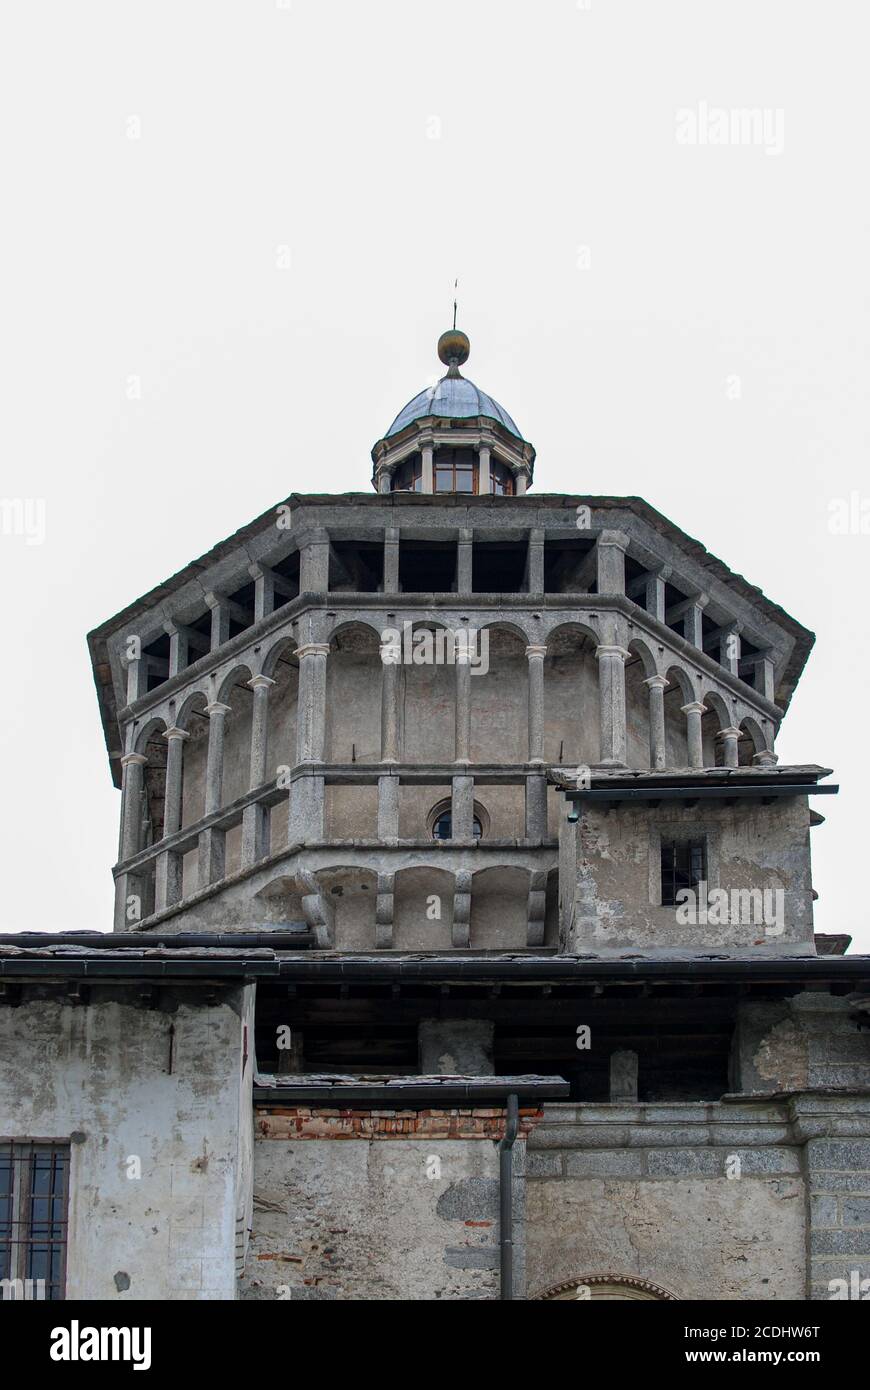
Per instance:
x=312, y=649
x=260, y=682
x=134, y=760
x=766, y=758
x=217, y=708
x=729, y=732
x=214, y=600
x=612, y=651
x=175, y=732
x=656, y=682
x=694, y=707
x=618, y=538
x=536, y=649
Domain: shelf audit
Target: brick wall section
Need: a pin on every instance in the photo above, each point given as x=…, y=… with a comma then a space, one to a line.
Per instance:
x=314, y=1122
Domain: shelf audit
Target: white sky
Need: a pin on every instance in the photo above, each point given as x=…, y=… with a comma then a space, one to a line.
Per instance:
x=310, y=126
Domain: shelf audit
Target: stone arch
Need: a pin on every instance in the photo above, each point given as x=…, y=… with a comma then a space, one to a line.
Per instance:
x=353, y=694
x=640, y=665
x=282, y=666
x=572, y=720
x=717, y=716
x=499, y=687
x=678, y=692
x=499, y=908
x=619, y=1287
x=279, y=902
x=752, y=740
x=423, y=909
x=193, y=719
x=428, y=698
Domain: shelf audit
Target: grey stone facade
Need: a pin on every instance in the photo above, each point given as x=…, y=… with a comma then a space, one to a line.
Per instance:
x=409, y=782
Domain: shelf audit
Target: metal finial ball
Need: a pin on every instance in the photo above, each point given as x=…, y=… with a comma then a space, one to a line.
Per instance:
x=453, y=347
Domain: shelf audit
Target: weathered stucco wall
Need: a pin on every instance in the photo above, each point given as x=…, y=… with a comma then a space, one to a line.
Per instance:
x=401, y=1218
x=164, y=1085
x=644, y=1191
x=613, y=862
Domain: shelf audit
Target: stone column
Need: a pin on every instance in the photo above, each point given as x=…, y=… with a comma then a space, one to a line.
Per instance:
x=535, y=566
x=730, y=738
x=391, y=560
x=654, y=596
x=522, y=481
x=462, y=808
x=179, y=652
x=612, y=546
x=463, y=702
x=220, y=620
x=611, y=695
x=464, y=561
x=212, y=847
x=694, y=629
x=312, y=701
x=657, y=744
x=132, y=784
x=391, y=657
x=388, y=808
x=536, y=808
x=169, y=867
x=427, y=451
x=314, y=562
x=484, y=484
x=264, y=591
x=129, y=885
x=693, y=712
x=729, y=649
x=255, y=818
x=535, y=654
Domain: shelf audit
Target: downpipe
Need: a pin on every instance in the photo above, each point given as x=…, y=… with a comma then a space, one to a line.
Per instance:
x=506, y=1197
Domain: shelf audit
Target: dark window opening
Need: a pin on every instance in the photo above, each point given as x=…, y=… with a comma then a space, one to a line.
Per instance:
x=673, y=597
x=34, y=1186
x=427, y=567
x=287, y=572
x=356, y=567
x=408, y=477
x=443, y=827
x=455, y=470
x=498, y=567
x=684, y=865
x=747, y=667
x=501, y=479
x=570, y=567
x=241, y=609
x=156, y=658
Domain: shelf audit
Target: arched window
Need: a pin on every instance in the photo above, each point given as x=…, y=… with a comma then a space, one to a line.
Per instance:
x=408, y=477
x=441, y=821
x=456, y=470
x=501, y=479
x=616, y=1287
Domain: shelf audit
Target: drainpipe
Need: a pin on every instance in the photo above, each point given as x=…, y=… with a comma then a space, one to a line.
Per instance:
x=506, y=1197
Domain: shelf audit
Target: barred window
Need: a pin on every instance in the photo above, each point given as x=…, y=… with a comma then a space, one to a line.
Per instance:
x=684, y=865
x=34, y=1187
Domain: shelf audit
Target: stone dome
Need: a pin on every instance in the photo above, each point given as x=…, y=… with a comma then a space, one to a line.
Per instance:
x=454, y=397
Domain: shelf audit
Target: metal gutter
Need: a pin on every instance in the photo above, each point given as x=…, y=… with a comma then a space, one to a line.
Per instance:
x=738, y=790
x=281, y=940
x=488, y=1090
x=370, y=969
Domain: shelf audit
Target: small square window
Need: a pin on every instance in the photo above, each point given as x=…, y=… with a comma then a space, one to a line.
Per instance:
x=684, y=865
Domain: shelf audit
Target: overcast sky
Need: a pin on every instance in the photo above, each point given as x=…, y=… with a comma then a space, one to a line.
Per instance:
x=229, y=240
